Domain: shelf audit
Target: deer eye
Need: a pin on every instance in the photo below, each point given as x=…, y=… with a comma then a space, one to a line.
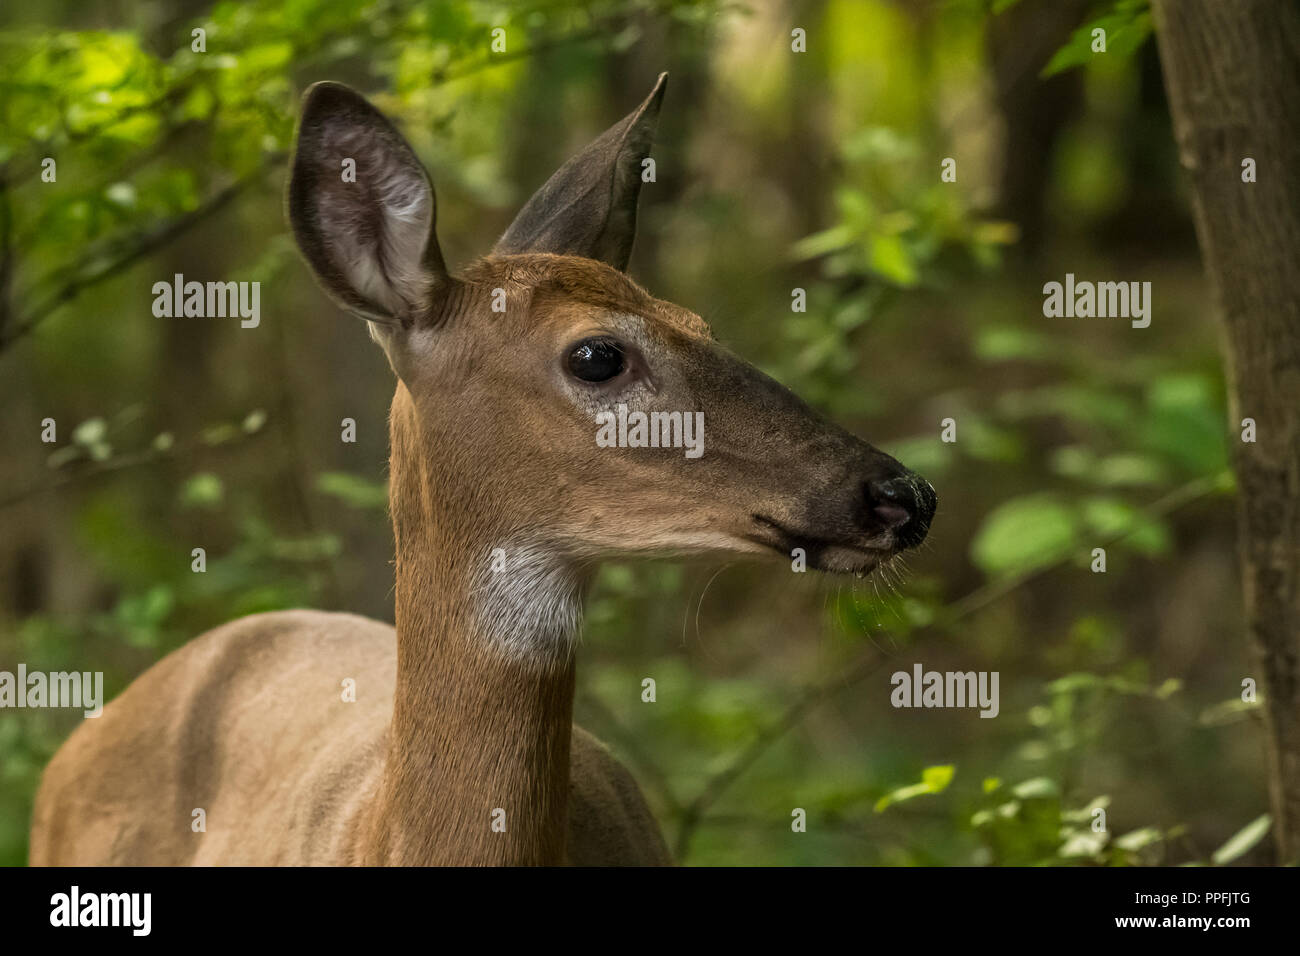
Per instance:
x=596, y=360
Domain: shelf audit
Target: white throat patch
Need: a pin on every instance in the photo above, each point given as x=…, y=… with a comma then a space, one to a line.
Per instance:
x=528, y=601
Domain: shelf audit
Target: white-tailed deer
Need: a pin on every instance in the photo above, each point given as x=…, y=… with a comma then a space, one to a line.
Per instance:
x=460, y=746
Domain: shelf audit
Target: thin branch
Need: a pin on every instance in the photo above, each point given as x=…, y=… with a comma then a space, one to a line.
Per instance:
x=804, y=702
x=88, y=274
x=136, y=459
x=469, y=67
x=290, y=449
x=71, y=137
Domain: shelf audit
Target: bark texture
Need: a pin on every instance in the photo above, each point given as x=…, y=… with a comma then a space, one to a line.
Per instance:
x=1232, y=71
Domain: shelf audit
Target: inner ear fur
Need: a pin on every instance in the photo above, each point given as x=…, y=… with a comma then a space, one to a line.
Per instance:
x=371, y=242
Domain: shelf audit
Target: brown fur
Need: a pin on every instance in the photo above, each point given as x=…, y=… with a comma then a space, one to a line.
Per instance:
x=247, y=722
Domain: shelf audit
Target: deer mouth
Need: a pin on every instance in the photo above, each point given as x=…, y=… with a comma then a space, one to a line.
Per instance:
x=834, y=555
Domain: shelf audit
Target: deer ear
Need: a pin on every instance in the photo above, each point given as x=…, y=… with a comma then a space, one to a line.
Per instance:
x=362, y=208
x=588, y=208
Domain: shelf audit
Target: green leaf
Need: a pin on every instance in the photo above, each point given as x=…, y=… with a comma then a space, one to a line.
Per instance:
x=1112, y=518
x=1024, y=533
x=933, y=780
x=203, y=490
x=1243, y=841
x=1167, y=688
x=122, y=194
x=1083, y=843
x=1183, y=422
x=254, y=421
x=890, y=259
x=1005, y=811
x=1139, y=839
x=876, y=145
x=821, y=243
x=1230, y=711
x=219, y=434
x=1036, y=788
x=1085, y=814
x=90, y=432
x=1127, y=26
x=938, y=778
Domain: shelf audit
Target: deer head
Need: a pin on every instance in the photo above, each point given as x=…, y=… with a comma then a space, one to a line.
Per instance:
x=508, y=372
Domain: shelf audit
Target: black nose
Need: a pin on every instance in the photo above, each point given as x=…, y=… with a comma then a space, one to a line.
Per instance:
x=903, y=504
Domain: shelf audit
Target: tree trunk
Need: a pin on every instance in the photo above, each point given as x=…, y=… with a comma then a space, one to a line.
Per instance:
x=1232, y=71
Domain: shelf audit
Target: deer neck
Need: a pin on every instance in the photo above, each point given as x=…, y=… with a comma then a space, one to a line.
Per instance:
x=477, y=769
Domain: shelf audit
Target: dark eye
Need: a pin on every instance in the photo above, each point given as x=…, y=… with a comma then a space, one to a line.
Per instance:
x=596, y=360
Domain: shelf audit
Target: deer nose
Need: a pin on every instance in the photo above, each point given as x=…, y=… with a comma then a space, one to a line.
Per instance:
x=903, y=504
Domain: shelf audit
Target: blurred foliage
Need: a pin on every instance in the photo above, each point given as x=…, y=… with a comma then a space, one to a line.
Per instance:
x=1126, y=26
x=816, y=171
